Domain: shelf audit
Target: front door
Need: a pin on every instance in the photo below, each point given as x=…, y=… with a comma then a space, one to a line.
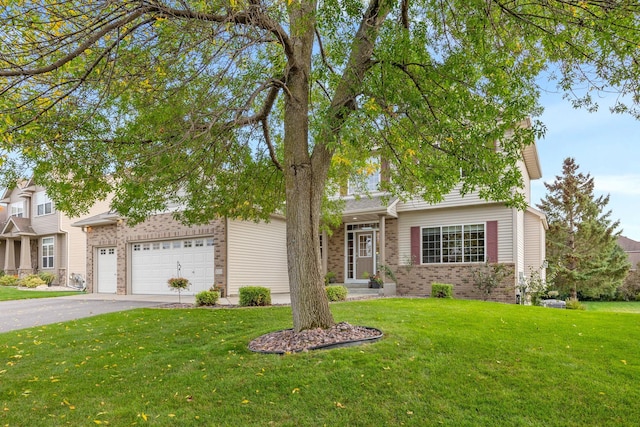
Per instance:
x=364, y=252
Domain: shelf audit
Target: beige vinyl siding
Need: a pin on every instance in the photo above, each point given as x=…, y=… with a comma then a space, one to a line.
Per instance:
x=534, y=254
x=45, y=224
x=526, y=181
x=458, y=216
x=520, y=242
x=257, y=255
x=453, y=199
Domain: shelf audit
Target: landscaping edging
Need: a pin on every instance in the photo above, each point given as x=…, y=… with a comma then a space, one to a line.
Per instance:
x=341, y=335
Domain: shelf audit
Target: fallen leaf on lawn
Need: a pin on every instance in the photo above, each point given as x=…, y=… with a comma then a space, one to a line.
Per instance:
x=339, y=405
x=144, y=416
x=624, y=362
x=245, y=401
x=295, y=390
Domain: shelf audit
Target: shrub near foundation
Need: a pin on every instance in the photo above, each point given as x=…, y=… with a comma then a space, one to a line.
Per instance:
x=47, y=277
x=336, y=293
x=254, y=296
x=207, y=298
x=9, y=280
x=441, y=290
x=31, y=281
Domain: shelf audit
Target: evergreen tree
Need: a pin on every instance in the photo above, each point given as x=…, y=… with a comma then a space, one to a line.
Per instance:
x=582, y=247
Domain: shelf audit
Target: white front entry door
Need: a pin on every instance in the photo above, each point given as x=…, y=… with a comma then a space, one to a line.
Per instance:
x=153, y=263
x=107, y=270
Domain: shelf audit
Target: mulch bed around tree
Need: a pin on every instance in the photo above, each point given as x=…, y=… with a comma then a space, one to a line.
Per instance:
x=340, y=335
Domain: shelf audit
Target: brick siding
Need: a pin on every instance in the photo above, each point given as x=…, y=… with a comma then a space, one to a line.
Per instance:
x=417, y=280
x=155, y=228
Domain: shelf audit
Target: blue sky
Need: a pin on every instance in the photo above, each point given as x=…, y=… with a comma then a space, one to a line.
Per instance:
x=604, y=145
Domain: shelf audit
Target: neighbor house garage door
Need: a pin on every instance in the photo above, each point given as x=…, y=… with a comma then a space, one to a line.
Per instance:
x=153, y=263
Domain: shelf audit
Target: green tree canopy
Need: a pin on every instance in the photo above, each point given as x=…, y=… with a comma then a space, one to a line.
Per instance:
x=242, y=107
x=582, y=242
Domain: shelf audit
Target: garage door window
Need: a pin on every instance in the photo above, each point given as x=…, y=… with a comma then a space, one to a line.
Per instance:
x=136, y=247
x=187, y=243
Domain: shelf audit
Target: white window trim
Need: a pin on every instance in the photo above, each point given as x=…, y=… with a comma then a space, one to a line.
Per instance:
x=42, y=199
x=483, y=224
x=52, y=247
x=364, y=184
x=17, y=209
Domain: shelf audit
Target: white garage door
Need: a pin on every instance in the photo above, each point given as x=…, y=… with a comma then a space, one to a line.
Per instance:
x=107, y=270
x=153, y=263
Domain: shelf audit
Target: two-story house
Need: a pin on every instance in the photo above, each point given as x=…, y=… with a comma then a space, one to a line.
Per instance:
x=424, y=243
x=421, y=243
x=35, y=237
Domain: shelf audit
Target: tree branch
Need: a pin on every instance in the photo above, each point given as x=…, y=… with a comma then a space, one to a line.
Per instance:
x=77, y=51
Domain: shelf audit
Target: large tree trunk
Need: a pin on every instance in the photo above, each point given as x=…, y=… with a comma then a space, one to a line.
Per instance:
x=304, y=184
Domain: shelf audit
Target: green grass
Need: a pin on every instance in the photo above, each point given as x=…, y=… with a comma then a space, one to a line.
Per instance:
x=453, y=363
x=613, y=306
x=12, y=293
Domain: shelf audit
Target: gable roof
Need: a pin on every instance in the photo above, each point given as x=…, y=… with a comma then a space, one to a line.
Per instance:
x=18, y=227
x=370, y=207
x=632, y=248
x=628, y=245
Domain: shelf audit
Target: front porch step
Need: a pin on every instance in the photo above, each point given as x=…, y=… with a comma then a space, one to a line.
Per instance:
x=353, y=285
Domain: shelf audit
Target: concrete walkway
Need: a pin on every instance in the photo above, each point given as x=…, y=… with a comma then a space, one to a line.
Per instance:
x=28, y=313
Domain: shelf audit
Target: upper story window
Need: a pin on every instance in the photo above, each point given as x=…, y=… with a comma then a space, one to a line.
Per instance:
x=367, y=179
x=17, y=209
x=456, y=243
x=44, y=205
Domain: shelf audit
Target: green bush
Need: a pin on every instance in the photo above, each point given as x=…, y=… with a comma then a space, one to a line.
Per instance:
x=336, y=293
x=9, y=280
x=254, y=296
x=574, y=304
x=31, y=281
x=207, y=298
x=441, y=290
x=330, y=277
x=47, y=277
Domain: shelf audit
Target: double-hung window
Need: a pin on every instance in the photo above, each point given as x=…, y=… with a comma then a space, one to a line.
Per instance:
x=44, y=205
x=47, y=252
x=454, y=243
x=17, y=209
x=367, y=179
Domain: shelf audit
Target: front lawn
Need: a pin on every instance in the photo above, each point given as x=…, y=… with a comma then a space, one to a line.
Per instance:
x=453, y=363
x=613, y=306
x=12, y=293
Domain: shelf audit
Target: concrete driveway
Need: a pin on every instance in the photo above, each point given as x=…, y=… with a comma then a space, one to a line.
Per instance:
x=27, y=313
x=20, y=314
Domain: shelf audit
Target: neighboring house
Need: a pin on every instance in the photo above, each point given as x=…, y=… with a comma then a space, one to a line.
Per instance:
x=632, y=249
x=140, y=259
x=445, y=242
x=35, y=237
x=419, y=242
